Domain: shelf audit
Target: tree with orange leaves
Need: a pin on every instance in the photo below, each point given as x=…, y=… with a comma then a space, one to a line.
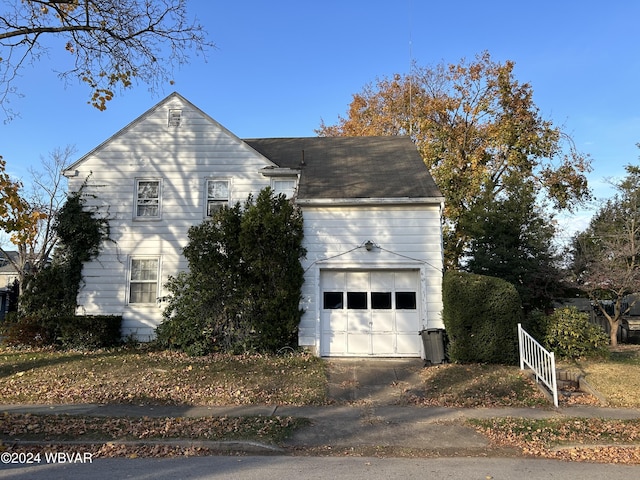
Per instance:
x=28, y=219
x=479, y=133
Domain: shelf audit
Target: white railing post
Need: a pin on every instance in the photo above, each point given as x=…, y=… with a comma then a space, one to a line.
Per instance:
x=542, y=362
x=520, y=346
x=554, y=380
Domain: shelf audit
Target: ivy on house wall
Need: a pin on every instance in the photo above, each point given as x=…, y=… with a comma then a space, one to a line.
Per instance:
x=52, y=293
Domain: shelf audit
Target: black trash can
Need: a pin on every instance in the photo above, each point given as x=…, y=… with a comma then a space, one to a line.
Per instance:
x=433, y=343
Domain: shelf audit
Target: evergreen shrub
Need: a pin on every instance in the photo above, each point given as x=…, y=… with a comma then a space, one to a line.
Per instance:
x=243, y=288
x=481, y=315
x=88, y=331
x=25, y=331
x=82, y=331
x=571, y=335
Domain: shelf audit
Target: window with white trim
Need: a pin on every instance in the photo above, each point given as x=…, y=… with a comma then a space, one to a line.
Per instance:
x=148, y=198
x=143, y=280
x=284, y=185
x=217, y=195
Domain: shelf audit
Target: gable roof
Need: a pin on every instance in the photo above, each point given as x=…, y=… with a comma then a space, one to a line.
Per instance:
x=353, y=167
x=6, y=267
x=332, y=169
x=173, y=98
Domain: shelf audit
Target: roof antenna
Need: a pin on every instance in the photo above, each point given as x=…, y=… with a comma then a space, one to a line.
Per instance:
x=410, y=68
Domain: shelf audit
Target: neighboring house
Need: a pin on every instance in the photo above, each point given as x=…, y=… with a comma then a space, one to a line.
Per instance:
x=8, y=275
x=372, y=224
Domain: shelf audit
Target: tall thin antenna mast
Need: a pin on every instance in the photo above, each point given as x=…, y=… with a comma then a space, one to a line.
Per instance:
x=410, y=68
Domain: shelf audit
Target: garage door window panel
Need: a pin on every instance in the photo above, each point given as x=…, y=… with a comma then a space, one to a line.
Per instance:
x=381, y=300
x=406, y=300
x=357, y=300
x=333, y=301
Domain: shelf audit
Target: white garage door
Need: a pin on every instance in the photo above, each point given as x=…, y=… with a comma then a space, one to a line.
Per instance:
x=372, y=313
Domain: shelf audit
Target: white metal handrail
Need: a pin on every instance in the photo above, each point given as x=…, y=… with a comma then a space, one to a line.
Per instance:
x=542, y=362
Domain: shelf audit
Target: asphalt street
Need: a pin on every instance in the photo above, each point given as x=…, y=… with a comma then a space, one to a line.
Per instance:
x=317, y=468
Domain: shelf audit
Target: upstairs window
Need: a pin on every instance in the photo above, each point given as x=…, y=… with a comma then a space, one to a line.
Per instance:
x=217, y=195
x=286, y=186
x=148, y=198
x=143, y=280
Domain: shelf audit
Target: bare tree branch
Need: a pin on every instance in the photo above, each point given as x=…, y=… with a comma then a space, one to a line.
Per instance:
x=606, y=255
x=46, y=198
x=113, y=42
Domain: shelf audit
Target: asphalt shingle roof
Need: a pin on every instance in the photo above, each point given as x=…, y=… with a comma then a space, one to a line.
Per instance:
x=5, y=266
x=352, y=167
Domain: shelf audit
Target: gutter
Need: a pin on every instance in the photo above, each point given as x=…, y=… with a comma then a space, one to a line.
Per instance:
x=339, y=202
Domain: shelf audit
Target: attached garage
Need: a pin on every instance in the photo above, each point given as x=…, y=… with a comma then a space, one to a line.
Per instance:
x=373, y=235
x=370, y=313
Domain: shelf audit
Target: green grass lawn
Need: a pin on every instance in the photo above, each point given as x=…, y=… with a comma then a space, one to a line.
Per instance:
x=617, y=379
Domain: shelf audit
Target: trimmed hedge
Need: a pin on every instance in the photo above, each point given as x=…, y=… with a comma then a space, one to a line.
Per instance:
x=82, y=331
x=25, y=332
x=481, y=315
x=92, y=332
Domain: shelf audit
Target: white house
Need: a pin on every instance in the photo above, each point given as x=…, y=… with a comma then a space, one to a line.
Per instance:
x=372, y=224
x=8, y=275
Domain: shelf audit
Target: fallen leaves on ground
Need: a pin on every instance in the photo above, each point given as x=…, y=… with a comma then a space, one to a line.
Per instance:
x=574, y=439
x=159, y=378
x=29, y=426
x=468, y=386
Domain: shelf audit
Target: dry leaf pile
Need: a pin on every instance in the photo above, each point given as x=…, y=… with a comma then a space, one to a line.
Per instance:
x=576, y=439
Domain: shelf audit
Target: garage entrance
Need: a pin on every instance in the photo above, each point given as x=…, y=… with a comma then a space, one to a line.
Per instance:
x=370, y=313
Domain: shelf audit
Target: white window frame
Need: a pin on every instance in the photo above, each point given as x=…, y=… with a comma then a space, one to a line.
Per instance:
x=131, y=281
x=289, y=193
x=219, y=201
x=136, y=199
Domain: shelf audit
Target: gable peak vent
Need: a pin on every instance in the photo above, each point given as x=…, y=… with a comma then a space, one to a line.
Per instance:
x=175, y=117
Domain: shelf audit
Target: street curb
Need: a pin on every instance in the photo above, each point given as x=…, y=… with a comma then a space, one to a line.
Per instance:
x=224, y=446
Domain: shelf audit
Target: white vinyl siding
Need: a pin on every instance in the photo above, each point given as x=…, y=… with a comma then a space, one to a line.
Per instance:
x=148, y=195
x=143, y=280
x=182, y=159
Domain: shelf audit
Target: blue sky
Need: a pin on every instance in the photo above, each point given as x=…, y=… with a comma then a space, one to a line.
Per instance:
x=280, y=67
